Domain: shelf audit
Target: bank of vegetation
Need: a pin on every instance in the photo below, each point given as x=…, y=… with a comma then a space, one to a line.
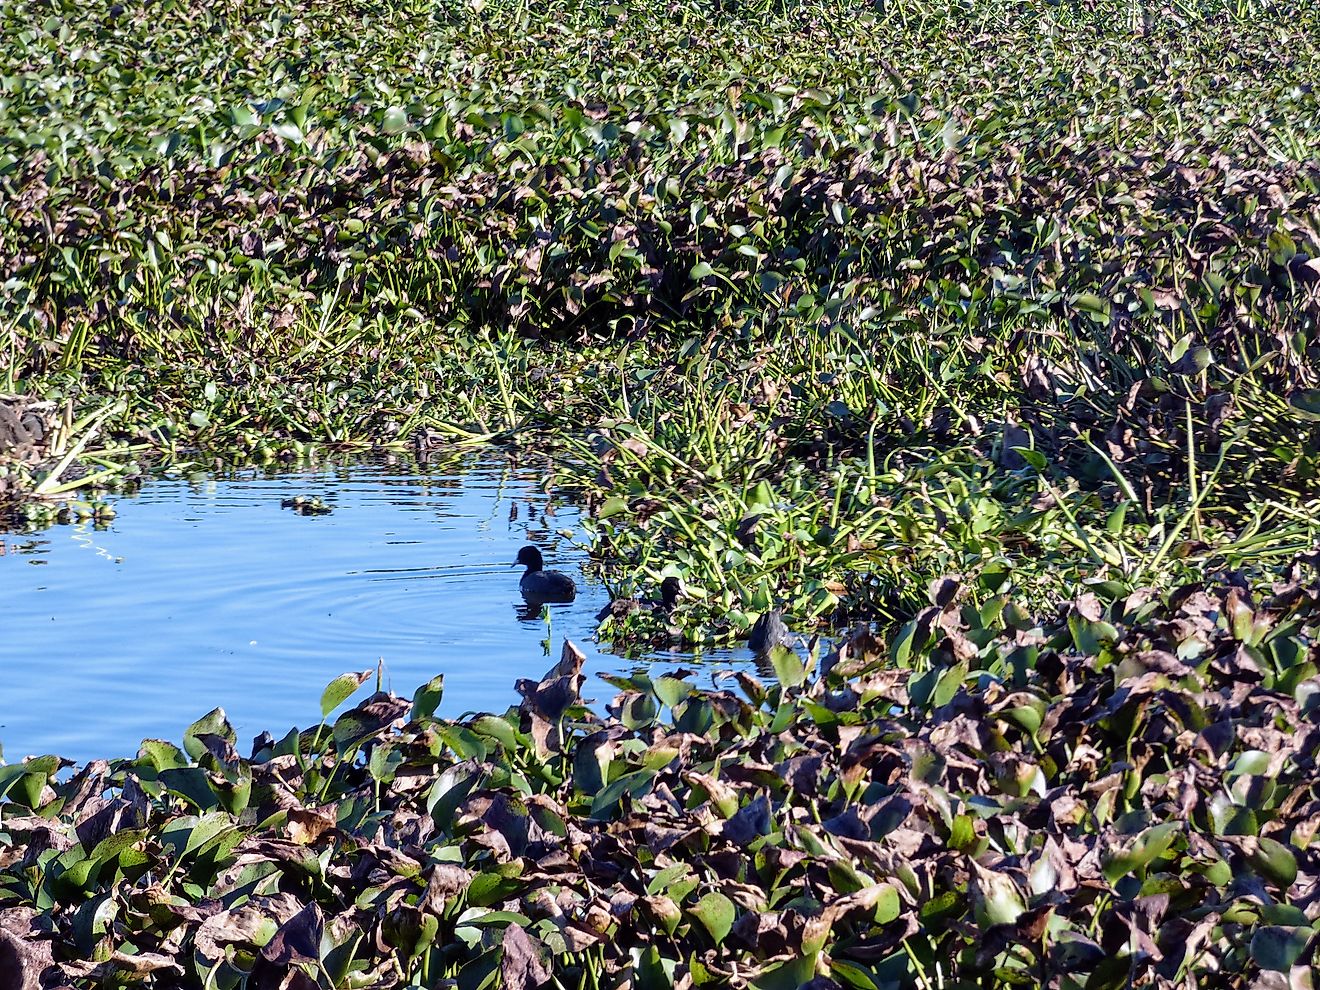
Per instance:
x=1107, y=796
x=813, y=297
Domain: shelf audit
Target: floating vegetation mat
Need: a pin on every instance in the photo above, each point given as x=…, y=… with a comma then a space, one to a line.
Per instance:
x=1114, y=796
x=818, y=300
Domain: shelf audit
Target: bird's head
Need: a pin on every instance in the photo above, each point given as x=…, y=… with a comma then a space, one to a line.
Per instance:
x=531, y=557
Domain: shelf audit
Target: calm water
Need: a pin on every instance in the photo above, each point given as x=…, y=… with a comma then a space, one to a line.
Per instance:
x=205, y=592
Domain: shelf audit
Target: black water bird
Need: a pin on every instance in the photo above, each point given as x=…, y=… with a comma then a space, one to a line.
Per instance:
x=768, y=632
x=540, y=585
x=671, y=589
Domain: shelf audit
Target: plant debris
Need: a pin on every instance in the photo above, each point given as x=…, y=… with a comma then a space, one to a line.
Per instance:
x=307, y=505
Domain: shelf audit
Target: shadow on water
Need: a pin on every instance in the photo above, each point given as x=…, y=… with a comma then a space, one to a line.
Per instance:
x=206, y=590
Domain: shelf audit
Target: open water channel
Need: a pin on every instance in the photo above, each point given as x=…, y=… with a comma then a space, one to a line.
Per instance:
x=204, y=591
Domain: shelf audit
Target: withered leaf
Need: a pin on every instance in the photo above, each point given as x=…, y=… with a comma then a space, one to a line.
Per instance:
x=298, y=940
x=521, y=967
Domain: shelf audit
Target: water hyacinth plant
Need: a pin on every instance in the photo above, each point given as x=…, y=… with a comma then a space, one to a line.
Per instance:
x=1104, y=796
x=755, y=250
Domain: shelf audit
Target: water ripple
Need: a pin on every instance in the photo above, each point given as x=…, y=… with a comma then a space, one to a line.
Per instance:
x=205, y=592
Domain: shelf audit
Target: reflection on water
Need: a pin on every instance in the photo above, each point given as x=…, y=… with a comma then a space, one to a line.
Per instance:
x=205, y=592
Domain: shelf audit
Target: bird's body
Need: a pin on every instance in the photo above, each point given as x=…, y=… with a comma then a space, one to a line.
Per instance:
x=540, y=585
x=768, y=632
x=671, y=588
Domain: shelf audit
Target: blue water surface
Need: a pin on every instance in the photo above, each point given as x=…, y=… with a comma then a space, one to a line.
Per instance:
x=203, y=592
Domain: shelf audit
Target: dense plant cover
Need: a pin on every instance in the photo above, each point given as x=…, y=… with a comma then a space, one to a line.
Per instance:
x=1109, y=797
x=701, y=245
